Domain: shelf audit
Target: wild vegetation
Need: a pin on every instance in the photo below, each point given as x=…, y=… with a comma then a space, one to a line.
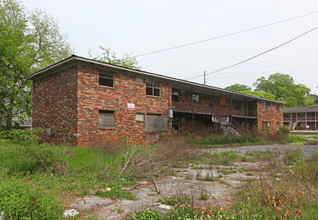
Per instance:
x=38, y=180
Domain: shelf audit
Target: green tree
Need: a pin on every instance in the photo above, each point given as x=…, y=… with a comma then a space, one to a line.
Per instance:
x=262, y=94
x=111, y=58
x=29, y=41
x=238, y=88
x=283, y=87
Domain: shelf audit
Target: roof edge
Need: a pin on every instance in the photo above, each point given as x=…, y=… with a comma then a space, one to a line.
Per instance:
x=172, y=79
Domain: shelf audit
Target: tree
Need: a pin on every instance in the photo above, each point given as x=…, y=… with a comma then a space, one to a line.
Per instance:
x=283, y=87
x=29, y=41
x=238, y=88
x=110, y=57
x=262, y=94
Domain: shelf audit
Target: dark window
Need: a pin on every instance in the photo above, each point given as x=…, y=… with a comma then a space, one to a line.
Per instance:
x=106, y=79
x=237, y=104
x=277, y=107
x=264, y=126
x=264, y=106
x=153, y=88
x=196, y=98
x=302, y=115
x=106, y=119
x=175, y=95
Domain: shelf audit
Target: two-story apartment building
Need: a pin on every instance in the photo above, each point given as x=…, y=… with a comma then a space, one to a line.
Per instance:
x=301, y=118
x=80, y=101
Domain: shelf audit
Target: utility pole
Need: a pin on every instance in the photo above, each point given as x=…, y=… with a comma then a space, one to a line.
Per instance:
x=204, y=80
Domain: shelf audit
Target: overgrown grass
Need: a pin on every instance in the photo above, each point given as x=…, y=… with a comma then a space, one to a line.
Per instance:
x=227, y=139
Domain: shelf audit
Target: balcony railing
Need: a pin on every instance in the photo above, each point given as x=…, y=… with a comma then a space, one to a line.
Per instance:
x=244, y=113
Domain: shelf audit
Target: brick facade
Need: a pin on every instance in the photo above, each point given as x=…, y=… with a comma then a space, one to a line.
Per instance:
x=273, y=116
x=69, y=98
x=55, y=106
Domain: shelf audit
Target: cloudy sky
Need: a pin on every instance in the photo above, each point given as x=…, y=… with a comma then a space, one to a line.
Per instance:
x=138, y=27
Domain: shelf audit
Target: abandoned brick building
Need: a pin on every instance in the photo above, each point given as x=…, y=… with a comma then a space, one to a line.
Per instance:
x=80, y=101
x=301, y=118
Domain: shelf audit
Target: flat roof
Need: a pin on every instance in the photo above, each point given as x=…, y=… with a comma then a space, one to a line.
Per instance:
x=77, y=59
x=300, y=109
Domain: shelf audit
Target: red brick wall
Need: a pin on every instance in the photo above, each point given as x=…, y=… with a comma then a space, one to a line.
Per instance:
x=271, y=116
x=55, y=105
x=92, y=97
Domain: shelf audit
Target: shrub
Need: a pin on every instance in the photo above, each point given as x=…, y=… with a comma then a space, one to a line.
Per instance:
x=283, y=130
x=18, y=200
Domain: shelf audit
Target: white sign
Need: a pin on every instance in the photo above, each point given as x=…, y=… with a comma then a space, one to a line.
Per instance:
x=131, y=106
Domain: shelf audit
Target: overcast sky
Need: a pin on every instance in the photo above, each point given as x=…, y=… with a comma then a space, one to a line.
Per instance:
x=141, y=26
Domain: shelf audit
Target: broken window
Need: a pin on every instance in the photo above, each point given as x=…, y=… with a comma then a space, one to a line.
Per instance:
x=277, y=107
x=264, y=126
x=156, y=123
x=264, y=106
x=196, y=97
x=106, y=119
x=106, y=79
x=153, y=88
x=175, y=95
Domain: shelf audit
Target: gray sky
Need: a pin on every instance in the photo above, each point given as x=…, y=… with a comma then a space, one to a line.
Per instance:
x=141, y=26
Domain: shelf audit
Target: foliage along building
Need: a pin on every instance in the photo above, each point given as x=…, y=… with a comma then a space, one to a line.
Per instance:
x=81, y=101
x=301, y=118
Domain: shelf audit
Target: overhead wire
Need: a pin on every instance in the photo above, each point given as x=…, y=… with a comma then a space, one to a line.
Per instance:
x=260, y=54
x=225, y=35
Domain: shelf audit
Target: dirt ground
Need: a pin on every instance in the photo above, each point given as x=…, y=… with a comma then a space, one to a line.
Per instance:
x=223, y=182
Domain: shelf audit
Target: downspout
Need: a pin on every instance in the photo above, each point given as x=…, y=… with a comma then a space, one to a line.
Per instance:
x=231, y=108
x=192, y=110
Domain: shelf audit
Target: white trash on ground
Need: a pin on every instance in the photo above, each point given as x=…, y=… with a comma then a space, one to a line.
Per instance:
x=70, y=212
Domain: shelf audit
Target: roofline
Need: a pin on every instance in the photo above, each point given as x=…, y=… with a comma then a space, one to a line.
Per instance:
x=172, y=79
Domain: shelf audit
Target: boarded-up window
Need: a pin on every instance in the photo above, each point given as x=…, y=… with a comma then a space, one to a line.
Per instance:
x=155, y=123
x=140, y=80
x=223, y=101
x=140, y=116
x=106, y=79
x=106, y=119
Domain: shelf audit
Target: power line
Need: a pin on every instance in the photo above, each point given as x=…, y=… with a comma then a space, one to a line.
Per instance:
x=267, y=51
x=226, y=35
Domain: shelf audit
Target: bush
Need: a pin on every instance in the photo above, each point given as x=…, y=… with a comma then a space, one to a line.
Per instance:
x=283, y=130
x=35, y=158
x=18, y=200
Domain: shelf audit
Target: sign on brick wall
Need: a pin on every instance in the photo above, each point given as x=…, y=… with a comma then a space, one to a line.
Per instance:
x=131, y=106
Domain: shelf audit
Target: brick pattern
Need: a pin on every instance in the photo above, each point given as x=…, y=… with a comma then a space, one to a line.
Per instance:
x=271, y=116
x=92, y=97
x=55, y=105
x=70, y=100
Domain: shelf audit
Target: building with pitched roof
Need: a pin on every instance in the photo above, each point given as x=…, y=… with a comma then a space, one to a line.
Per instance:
x=301, y=118
x=82, y=101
